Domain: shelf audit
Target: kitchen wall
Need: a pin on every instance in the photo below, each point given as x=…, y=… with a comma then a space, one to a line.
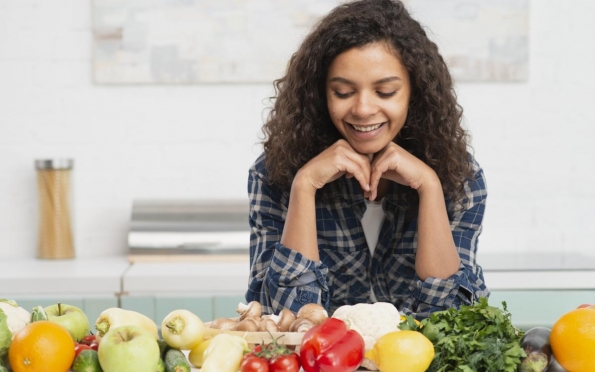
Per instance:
x=534, y=139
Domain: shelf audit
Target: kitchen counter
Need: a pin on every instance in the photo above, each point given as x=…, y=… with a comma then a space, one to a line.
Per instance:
x=506, y=271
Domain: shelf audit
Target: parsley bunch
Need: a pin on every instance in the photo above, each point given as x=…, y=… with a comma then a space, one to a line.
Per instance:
x=477, y=337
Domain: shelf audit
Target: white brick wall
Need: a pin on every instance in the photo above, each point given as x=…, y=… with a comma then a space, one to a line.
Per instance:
x=533, y=139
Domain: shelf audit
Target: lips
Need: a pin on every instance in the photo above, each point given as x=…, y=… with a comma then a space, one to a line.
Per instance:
x=367, y=128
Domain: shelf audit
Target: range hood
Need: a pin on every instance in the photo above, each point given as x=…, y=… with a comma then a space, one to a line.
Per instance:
x=185, y=227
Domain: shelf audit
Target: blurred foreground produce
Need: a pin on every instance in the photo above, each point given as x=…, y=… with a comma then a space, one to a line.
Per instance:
x=224, y=353
x=12, y=319
x=116, y=317
x=477, y=337
x=536, y=343
x=41, y=346
x=573, y=340
x=406, y=350
x=332, y=347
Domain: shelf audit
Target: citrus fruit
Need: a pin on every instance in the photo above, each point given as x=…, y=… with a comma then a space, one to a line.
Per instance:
x=41, y=346
x=573, y=340
x=402, y=351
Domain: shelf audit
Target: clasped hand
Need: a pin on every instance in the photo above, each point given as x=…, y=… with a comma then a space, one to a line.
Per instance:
x=392, y=163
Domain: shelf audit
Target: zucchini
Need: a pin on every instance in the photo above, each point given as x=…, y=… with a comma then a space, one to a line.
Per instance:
x=536, y=343
x=175, y=361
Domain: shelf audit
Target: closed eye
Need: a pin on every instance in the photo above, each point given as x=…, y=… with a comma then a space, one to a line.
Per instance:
x=343, y=95
x=386, y=95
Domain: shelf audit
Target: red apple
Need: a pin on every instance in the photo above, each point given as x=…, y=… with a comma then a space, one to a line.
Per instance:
x=584, y=305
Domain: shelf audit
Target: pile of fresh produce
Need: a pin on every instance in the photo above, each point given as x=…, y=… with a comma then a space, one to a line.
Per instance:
x=478, y=337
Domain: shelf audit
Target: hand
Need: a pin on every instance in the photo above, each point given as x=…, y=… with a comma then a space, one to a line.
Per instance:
x=337, y=160
x=396, y=164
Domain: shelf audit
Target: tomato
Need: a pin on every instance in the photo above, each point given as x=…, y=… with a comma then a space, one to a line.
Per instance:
x=80, y=347
x=285, y=363
x=87, y=340
x=253, y=363
x=94, y=345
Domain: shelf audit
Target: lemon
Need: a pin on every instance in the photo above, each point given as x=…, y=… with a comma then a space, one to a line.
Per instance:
x=196, y=355
x=402, y=351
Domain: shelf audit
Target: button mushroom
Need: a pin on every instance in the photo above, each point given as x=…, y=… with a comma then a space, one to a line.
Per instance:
x=284, y=319
x=246, y=325
x=301, y=325
x=316, y=313
x=268, y=325
x=224, y=324
x=252, y=310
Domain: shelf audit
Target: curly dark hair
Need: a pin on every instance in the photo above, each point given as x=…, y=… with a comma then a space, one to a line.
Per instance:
x=299, y=127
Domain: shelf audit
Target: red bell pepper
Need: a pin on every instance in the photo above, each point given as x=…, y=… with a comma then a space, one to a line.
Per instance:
x=331, y=347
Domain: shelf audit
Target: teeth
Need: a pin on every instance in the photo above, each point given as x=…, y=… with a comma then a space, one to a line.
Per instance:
x=367, y=128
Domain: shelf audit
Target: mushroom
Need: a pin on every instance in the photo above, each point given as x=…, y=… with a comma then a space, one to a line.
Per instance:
x=316, y=313
x=268, y=325
x=246, y=325
x=251, y=310
x=301, y=325
x=284, y=319
x=225, y=324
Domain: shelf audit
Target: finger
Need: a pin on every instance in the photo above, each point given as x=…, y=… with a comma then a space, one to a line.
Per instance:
x=356, y=171
x=363, y=164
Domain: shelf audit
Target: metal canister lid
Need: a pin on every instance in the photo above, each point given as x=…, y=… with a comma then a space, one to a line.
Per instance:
x=48, y=164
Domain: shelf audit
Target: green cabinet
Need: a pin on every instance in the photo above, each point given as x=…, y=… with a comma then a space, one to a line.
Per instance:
x=540, y=308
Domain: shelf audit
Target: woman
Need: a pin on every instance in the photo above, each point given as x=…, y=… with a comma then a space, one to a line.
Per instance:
x=365, y=191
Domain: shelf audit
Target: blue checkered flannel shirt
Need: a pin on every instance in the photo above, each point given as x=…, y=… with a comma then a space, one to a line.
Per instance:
x=283, y=278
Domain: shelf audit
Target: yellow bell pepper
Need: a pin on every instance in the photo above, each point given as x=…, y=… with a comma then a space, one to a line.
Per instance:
x=115, y=317
x=224, y=354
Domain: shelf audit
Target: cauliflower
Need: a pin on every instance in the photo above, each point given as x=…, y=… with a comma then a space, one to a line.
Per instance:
x=12, y=319
x=16, y=317
x=371, y=321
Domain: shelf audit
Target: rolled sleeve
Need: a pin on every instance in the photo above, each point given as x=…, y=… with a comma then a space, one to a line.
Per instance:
x=466, y=285
x=280, y=278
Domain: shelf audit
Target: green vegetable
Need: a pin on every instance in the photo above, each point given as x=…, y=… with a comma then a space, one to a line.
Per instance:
x=160, y=366
x=5, y=338
x=86, y=361
x=38, y=313
x=163, y=347
x=175, y=361
x=477, y=337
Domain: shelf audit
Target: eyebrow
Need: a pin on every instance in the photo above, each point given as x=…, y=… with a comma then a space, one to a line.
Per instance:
x=347, y=81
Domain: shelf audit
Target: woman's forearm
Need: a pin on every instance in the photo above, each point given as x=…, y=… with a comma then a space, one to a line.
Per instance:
x=299, y=232
x=437, y=255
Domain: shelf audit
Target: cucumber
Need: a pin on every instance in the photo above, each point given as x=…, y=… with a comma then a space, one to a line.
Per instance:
x=163, y=347
x=86, y=361
x=175, y=361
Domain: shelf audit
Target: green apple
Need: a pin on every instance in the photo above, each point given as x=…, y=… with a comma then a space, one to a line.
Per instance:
x=128, y=348
x=70, y=317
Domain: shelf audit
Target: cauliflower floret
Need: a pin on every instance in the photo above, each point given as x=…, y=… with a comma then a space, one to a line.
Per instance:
x=16, y=317
x=371, y=321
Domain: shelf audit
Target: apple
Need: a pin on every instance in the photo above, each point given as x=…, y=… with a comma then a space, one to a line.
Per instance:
x=70, y=317
x=128, y=348
x=584, y=305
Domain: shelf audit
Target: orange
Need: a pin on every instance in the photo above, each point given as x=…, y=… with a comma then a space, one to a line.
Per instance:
x=41, y=346
x=573, y=340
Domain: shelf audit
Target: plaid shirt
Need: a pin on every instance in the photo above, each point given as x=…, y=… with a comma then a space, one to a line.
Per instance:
x=283, y=278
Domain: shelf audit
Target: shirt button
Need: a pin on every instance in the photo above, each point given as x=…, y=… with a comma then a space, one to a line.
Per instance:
x=343, y=269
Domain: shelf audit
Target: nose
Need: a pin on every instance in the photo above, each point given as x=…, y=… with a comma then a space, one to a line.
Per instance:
x=364, y=105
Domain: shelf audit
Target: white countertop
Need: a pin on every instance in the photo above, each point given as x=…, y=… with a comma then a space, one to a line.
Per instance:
x=108, y=276
x=91, y=276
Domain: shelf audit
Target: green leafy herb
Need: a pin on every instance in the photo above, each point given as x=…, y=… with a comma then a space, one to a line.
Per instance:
x=477, y=337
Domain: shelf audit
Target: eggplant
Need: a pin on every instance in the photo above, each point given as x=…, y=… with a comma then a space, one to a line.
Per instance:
x=536, y=343
x=555, y=366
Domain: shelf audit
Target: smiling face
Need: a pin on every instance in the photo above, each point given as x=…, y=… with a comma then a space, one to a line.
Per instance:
x=367, y=92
